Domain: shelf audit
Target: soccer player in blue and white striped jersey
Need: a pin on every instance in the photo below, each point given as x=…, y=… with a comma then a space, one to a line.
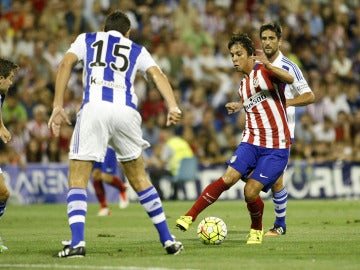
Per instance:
x=297, y=94
x=109, y=116
x=7, y=74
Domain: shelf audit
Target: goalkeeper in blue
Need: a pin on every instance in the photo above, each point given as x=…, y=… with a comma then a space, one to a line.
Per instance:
x=109, y=116
x=7, y=74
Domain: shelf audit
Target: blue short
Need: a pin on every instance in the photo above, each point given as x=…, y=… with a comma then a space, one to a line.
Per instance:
x=267, y=164
x=109, y=166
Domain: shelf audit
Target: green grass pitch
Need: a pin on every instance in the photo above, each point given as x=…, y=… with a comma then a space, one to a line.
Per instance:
x=321, y=234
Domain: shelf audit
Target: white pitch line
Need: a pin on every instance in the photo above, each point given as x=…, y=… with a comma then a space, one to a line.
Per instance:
x=61, y=266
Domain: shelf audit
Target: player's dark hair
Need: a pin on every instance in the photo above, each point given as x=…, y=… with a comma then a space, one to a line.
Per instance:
x=6, y=67
x=118, y=21
x=245, y=41
x=274, y=27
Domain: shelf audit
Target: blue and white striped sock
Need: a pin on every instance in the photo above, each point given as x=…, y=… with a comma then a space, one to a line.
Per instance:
x=2, y=208
x=150, y=200
x=280, y=200
x=77, y=207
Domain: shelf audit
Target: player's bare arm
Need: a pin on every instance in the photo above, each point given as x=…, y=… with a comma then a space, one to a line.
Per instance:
x=301, y=100
x=58, y=115
x=163, y=85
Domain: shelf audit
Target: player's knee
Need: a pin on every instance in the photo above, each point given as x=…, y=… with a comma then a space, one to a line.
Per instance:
x=277, y=186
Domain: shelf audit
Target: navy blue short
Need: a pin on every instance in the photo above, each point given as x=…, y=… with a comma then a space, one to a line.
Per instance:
x=267, y=164
x=109, y=166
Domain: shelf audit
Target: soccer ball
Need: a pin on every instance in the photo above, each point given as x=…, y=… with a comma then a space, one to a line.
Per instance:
x=212, y=231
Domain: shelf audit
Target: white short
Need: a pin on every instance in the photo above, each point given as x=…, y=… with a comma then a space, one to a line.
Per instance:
x=104, y=124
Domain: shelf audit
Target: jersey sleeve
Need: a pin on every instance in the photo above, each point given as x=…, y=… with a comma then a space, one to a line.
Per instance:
x=78, y=47
x=300, y=85
x=146, y=61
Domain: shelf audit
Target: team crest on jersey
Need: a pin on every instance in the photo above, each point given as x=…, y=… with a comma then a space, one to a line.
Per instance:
x=233, y=159
x=256, y=81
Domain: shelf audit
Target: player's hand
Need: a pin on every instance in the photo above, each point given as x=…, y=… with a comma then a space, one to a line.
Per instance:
x=57, y=117
x=233, y=107
x=5, y=134
x=260, y=57
x=174, y=116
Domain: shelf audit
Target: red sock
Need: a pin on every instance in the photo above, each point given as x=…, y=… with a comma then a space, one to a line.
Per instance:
x=117, y=183
x=209, y=195
x=256, y=209
x=100, y=192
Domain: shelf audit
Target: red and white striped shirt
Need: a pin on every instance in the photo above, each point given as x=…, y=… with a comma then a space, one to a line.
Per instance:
x=263, y=98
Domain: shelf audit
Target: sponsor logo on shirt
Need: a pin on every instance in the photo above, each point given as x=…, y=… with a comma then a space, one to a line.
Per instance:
x=101, y=82
x=254, y=100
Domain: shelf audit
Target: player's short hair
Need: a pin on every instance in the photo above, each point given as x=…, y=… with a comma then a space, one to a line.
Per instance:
x=6, y=66
x=245, y=41
x=274, y=27
x=118, y=21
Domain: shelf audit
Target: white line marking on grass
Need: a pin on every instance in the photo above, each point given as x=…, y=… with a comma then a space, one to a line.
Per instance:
x=61, y=266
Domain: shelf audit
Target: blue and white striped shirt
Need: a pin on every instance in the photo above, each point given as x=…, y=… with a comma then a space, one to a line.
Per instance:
x=110, y=63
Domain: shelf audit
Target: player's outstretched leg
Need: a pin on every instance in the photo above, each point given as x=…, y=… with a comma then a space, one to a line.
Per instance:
x=209, y=195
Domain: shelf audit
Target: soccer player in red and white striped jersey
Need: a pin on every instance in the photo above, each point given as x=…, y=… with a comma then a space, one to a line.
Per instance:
x=264, y=150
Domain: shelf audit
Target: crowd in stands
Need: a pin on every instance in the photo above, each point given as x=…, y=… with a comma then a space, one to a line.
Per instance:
x=188, y=39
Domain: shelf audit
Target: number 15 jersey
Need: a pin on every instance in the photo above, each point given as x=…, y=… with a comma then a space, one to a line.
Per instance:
x=110, y=63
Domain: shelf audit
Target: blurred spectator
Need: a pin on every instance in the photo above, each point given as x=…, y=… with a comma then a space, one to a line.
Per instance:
x=25, y=43
x=151, y=131
x=335, y=100
x=212, y=154
x=33, y=152
x=75, y=21
x=304, y=129
x=153, y=105
x=15, y=16
x=321, y=152
x=353, y=96
x=341, y=65
x=315, y=20
x=325, y=131
x=52, y=55
x=160, y=56
x=197, y=104
x=94, y=12
x=52, y=17
x=196, y=36
x=184, y=16
x=19, y=140
x=13, y=110
x=174, y=149
x=6, y=39
x=342, y=127
x=53, y=151
x=42, y=68
x=38, y=129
